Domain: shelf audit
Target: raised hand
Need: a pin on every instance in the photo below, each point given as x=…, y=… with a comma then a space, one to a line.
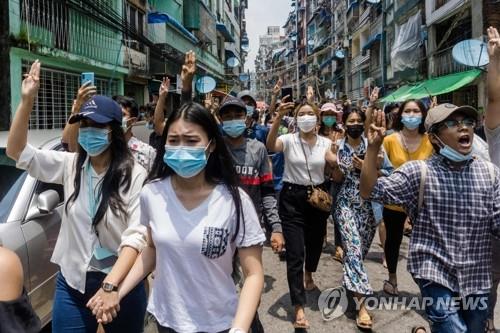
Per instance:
x=164, y=87
x=285, y=108
x=376, y=131
x=493, y=44
x=434, y=102
x=188, y=69
x=31, y=82
x=374, y=95
x=85, y=93
x=277, y=87
x=310, y=94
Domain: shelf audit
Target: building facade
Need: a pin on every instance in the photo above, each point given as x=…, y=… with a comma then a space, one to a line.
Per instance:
x=128, y=44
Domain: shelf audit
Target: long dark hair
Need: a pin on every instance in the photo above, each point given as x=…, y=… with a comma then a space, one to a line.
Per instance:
x=117, y=177
x=220, y=165
x=398, y=125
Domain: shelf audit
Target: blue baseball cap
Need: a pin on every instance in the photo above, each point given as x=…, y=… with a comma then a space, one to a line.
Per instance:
x=100, y=109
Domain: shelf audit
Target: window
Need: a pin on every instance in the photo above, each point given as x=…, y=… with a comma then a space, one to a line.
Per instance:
x=56, y=94
x=136, y=22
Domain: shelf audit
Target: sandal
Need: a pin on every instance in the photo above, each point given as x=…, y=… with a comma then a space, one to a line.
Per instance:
x=301, y=322
x=339, y=255
x=393, y=291
x=416, y=328
x=364, y=323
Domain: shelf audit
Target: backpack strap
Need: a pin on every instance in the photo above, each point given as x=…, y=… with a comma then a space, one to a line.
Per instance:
x=423, y=176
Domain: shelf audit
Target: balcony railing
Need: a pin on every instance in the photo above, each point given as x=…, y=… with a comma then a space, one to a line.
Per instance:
x=55, y=26
x=443, y=64
x=365, y=15
x=360, y=59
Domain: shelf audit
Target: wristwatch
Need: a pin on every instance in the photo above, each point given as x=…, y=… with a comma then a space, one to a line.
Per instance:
x=236, y=330
x=109, y=287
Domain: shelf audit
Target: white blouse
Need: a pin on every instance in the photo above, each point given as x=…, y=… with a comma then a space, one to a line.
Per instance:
x=77, y=239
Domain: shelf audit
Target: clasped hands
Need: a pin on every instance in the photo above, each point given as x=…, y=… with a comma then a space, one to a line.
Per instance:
x=104, y=306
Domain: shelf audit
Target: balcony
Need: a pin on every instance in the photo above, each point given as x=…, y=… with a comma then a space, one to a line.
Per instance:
x=443, y=63
x=56, y=29
x=360, y=60
x=365, y=15
x=136, y=61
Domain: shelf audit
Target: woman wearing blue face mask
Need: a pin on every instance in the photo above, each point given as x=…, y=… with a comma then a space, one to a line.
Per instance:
x=100, y=217
x=409, y=142
x=197, y=218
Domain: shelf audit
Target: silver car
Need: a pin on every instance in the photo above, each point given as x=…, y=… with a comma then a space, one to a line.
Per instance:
x=30, y=218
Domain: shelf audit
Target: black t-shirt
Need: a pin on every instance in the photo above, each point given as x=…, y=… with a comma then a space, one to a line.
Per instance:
x=18, y=316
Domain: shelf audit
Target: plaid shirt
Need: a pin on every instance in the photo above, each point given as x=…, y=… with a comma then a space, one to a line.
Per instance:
x=451, y=238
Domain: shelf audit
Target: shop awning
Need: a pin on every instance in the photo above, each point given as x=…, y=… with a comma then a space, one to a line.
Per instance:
x=157, y=17
x=433, y=87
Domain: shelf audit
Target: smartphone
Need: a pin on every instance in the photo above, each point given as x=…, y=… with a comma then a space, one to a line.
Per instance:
x=287, y=92
x=361, y=156
x=88, y=76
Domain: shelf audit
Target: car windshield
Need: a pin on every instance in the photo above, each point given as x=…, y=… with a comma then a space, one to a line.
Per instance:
x=10, y=184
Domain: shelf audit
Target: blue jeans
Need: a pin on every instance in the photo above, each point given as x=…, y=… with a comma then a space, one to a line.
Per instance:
x=70, y=313
x=447, y=316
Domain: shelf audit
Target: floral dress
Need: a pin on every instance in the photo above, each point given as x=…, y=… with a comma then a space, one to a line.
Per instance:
x=355, y=220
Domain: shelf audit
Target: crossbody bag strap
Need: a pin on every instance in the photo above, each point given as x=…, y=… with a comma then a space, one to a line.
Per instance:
x=305, y=156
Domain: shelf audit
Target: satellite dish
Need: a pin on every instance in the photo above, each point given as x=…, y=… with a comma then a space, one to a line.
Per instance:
x=293, y=38
x=245, y=47
x=244, y=77
x=232, y=62
x=310, y=42
x=205, y=84
x=339, y=54
x=471, y=52
x=374, y=2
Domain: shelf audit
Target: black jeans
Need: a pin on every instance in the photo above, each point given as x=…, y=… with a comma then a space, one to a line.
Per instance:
x=304, y=229
x=394, y=226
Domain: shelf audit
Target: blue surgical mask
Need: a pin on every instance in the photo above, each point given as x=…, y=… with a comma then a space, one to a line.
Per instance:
x=411, y=122
x=234, y=128
x=250, y=110
x=93, y=140
x=329, y=120
x=451, y=154
x=186, y=162
x=150, y=126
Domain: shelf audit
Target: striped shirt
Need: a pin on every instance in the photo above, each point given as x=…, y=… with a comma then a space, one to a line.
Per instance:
x=451, y=239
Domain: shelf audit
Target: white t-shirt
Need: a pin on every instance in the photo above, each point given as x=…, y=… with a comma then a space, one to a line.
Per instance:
x=295, y=163
x=193, y=290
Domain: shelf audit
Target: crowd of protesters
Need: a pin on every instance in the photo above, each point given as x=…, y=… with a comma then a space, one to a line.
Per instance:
x=195, y=206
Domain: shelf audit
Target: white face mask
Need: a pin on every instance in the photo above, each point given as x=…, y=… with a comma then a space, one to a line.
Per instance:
x=307, y=123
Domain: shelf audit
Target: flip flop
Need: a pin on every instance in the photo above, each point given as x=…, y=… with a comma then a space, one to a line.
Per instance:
x=365, y=323
x=301, y=323
x=416, y=328
x=338, y=256
x=394, y=288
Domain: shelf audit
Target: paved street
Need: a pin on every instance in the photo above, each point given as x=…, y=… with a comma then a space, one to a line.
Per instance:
x=276, y=311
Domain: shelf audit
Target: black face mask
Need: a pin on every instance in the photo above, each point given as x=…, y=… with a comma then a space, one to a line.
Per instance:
x=355, y=131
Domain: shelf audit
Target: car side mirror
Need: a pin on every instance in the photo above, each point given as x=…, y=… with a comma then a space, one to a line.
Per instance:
x=47, y=201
